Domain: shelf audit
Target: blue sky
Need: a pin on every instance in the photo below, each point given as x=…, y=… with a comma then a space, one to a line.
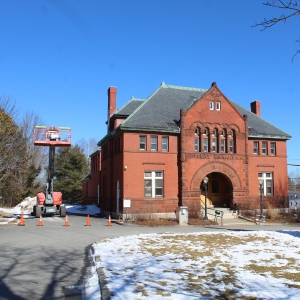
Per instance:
x=58, y=57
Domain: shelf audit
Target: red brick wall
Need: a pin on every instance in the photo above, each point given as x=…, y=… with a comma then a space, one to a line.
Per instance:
x=184, y=169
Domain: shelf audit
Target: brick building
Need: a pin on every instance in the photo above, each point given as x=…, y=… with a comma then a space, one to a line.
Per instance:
x=158, y=151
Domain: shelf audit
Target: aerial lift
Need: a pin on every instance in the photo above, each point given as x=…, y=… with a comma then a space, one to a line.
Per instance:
x=50, y=202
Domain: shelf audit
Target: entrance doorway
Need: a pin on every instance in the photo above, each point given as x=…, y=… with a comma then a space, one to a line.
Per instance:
x=219, y=190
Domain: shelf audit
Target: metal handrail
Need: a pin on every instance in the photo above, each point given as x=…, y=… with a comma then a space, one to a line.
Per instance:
x=217, y=213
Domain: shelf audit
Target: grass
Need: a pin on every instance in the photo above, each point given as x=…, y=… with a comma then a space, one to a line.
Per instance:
x=212, y=270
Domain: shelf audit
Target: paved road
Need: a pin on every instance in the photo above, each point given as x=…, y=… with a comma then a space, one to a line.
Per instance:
x=48, y=262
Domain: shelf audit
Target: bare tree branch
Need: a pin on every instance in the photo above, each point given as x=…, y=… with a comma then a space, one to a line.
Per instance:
x=292, y=7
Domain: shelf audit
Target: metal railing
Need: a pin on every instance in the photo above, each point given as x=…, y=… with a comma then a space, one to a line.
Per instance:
x=212, y=212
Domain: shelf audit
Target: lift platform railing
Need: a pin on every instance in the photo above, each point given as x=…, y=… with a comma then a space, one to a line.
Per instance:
x=52, y=136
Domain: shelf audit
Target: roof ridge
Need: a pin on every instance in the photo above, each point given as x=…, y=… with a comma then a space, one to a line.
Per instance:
x=182, y=87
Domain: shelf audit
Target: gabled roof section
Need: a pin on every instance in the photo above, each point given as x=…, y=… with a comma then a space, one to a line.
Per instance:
x=161, y=111
x=258, y=127
x=129, y=107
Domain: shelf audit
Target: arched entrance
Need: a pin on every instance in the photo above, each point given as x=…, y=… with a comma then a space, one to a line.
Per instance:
x=223, y=182
x=219, y=190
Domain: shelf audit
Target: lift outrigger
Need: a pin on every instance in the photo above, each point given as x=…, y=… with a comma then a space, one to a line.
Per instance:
x=50, y=202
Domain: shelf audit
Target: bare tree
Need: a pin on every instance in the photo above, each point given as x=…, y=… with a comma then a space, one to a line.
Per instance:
x=88, y=147
x=20, y=161
x=291, y=9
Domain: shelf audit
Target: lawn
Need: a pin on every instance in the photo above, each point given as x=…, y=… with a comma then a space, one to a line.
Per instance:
x=208, y=265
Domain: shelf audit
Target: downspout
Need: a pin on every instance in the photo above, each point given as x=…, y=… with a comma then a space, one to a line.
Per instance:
x=181, y=155
x=246, y=154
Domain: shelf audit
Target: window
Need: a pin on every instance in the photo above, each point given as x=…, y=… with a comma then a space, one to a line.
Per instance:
x=153, y=143
x=223, y=145
x=143, y=142
x=255, y=147
x=196, y=144
x=231, y=148
x=205, y=144
x=218, y=105
x=211, y=105
x=273, y=148
x=231, y=141
x=264, y=148
x=196, y=140
x=214, y=145
x=153, y=183
x=164, y=143
x=267, y=183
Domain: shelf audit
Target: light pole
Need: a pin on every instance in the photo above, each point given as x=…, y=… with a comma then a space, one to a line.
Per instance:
x=205, y=181
x=261, y=189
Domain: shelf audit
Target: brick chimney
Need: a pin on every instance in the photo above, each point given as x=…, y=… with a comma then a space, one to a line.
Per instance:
x=112, y=100
x=255, y=107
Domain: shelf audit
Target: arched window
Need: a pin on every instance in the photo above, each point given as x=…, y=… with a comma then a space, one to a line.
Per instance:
x=231, y=140
x=197, y=140
x=214, y=140
x=223, y=141
x=205, y=139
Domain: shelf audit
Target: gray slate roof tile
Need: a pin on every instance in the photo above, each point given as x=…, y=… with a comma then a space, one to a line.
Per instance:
x=161, y=112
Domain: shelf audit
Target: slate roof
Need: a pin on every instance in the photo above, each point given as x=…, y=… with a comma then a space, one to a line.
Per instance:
x=129, y=107
x=258, y=127
x=161, y=112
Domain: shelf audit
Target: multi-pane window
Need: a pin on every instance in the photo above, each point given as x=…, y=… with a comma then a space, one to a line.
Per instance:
x=196, y=140
x=231, y=141
x=273, y=148
x=214, y=145
x=205, y=140
x=165, y=143
x=143, y=142
x=196, y=146
x=267, y=183
x=153, y=143
x=214, y=141
x=255, y=147
x=153, y=183
x=205, y=144
x=231, y=146
x=264, y=148
x=223, y=145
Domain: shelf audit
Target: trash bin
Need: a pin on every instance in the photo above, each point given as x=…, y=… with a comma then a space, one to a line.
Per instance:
x=182, y=215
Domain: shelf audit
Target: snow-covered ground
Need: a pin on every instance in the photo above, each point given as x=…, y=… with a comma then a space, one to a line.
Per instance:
x=208, y=265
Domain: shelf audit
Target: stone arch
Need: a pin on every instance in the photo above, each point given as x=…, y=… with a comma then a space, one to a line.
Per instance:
x=219, y=167
x=214, y=125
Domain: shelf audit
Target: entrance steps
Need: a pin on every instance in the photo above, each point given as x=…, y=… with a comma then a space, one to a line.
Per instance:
x=230, y=217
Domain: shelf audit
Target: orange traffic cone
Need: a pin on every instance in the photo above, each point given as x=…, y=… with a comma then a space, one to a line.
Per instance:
x=66, y=222
x=109, y=221
x=40, y=221
x=88, y=221
x=22, y=220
